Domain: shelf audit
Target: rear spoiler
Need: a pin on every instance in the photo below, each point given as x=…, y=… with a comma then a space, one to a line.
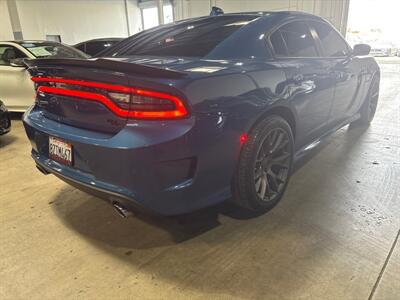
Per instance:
x=105, y=64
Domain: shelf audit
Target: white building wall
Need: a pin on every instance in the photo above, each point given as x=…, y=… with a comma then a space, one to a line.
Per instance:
x=6, y=32
x=335, y=11
x=76, y=20
x=79, y=20
x=135, y=17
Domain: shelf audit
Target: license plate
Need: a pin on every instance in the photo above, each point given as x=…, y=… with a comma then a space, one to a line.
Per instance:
x=60, y=151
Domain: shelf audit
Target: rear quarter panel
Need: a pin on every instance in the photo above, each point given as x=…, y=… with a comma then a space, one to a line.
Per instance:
x=238, y=97
x=226, y=105
x=368, y=68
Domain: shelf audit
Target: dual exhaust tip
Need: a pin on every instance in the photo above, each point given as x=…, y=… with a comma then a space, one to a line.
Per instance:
x=121, y=210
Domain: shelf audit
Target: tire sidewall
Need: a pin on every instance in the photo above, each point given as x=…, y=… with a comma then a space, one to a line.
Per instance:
x=245, y=180
x=366, y=116
x=370, y=116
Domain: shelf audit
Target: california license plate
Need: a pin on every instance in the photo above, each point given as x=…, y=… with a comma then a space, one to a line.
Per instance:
x=60, y=151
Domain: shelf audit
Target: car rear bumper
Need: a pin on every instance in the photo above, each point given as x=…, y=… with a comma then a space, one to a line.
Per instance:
x=85, y=183
x=164, y=168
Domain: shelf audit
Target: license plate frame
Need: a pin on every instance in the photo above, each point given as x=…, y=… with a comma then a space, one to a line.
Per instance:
x=60, y=151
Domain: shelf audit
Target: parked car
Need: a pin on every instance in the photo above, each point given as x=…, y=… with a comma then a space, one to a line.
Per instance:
x=95, y=46
x=189, y=114
x=16, y=88
x=5, y=120
x=382, y=49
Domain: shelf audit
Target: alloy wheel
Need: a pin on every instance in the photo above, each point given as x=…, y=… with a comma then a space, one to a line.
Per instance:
x=271, y=168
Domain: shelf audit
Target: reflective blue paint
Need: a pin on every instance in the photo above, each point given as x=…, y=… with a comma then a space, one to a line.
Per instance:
x=177, y=166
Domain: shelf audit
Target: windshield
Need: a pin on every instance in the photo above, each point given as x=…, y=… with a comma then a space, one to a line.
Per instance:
x=196, y=38
x=53, y=50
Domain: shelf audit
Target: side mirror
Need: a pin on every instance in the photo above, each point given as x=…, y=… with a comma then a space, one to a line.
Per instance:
x=18, y=62
x=361, y=49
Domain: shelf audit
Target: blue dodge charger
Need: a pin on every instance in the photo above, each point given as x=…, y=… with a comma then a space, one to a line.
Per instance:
x=186, y=115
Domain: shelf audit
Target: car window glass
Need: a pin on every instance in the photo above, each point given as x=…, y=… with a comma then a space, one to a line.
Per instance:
x=93, y=48
x=81, y=47
x=194, y=38
x=332, y=43
x=53, y=50
x=278, y=44
x=298, y=39
x=8, y=53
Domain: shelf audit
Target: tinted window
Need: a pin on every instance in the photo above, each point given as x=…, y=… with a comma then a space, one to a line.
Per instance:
x=93, y=48
x=278, y=44
x=190, y=38
x=298, y=40
x=332, y=43
x=54, y=50
x=81, y=47
x=8, y=53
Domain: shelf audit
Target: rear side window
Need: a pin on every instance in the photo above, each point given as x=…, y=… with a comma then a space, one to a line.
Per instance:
x=332, y=43
x=294, y=40
x=195, y=38
x=8, y=53
x=81, y=47
x=93, y=48
x=279, y=44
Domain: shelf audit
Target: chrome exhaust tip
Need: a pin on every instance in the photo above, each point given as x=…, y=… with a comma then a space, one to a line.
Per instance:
x=121, y=210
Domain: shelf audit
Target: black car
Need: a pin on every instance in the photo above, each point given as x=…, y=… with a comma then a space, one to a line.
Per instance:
x=5, y=121
x=95, y=46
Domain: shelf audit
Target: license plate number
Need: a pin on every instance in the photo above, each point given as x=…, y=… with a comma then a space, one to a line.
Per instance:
x=60, y=151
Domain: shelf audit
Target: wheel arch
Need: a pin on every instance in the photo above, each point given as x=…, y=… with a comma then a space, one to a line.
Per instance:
x=282, y=111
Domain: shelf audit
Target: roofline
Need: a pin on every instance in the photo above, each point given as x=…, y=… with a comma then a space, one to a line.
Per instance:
x=104, y=39
x=284, y=14
x=260, y=14
x=100, y=40
x=276, y=12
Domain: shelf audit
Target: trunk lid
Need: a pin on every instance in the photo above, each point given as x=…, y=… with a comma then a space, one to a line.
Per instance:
x=62, y=84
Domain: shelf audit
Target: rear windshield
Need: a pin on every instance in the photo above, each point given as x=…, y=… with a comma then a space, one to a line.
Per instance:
x=195, y=38
x=54, y=50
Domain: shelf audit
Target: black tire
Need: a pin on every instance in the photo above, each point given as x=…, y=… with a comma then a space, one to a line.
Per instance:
x=255, y=188
x=368, y=109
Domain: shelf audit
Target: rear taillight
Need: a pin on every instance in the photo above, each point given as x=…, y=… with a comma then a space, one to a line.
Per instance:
x=121, y=100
